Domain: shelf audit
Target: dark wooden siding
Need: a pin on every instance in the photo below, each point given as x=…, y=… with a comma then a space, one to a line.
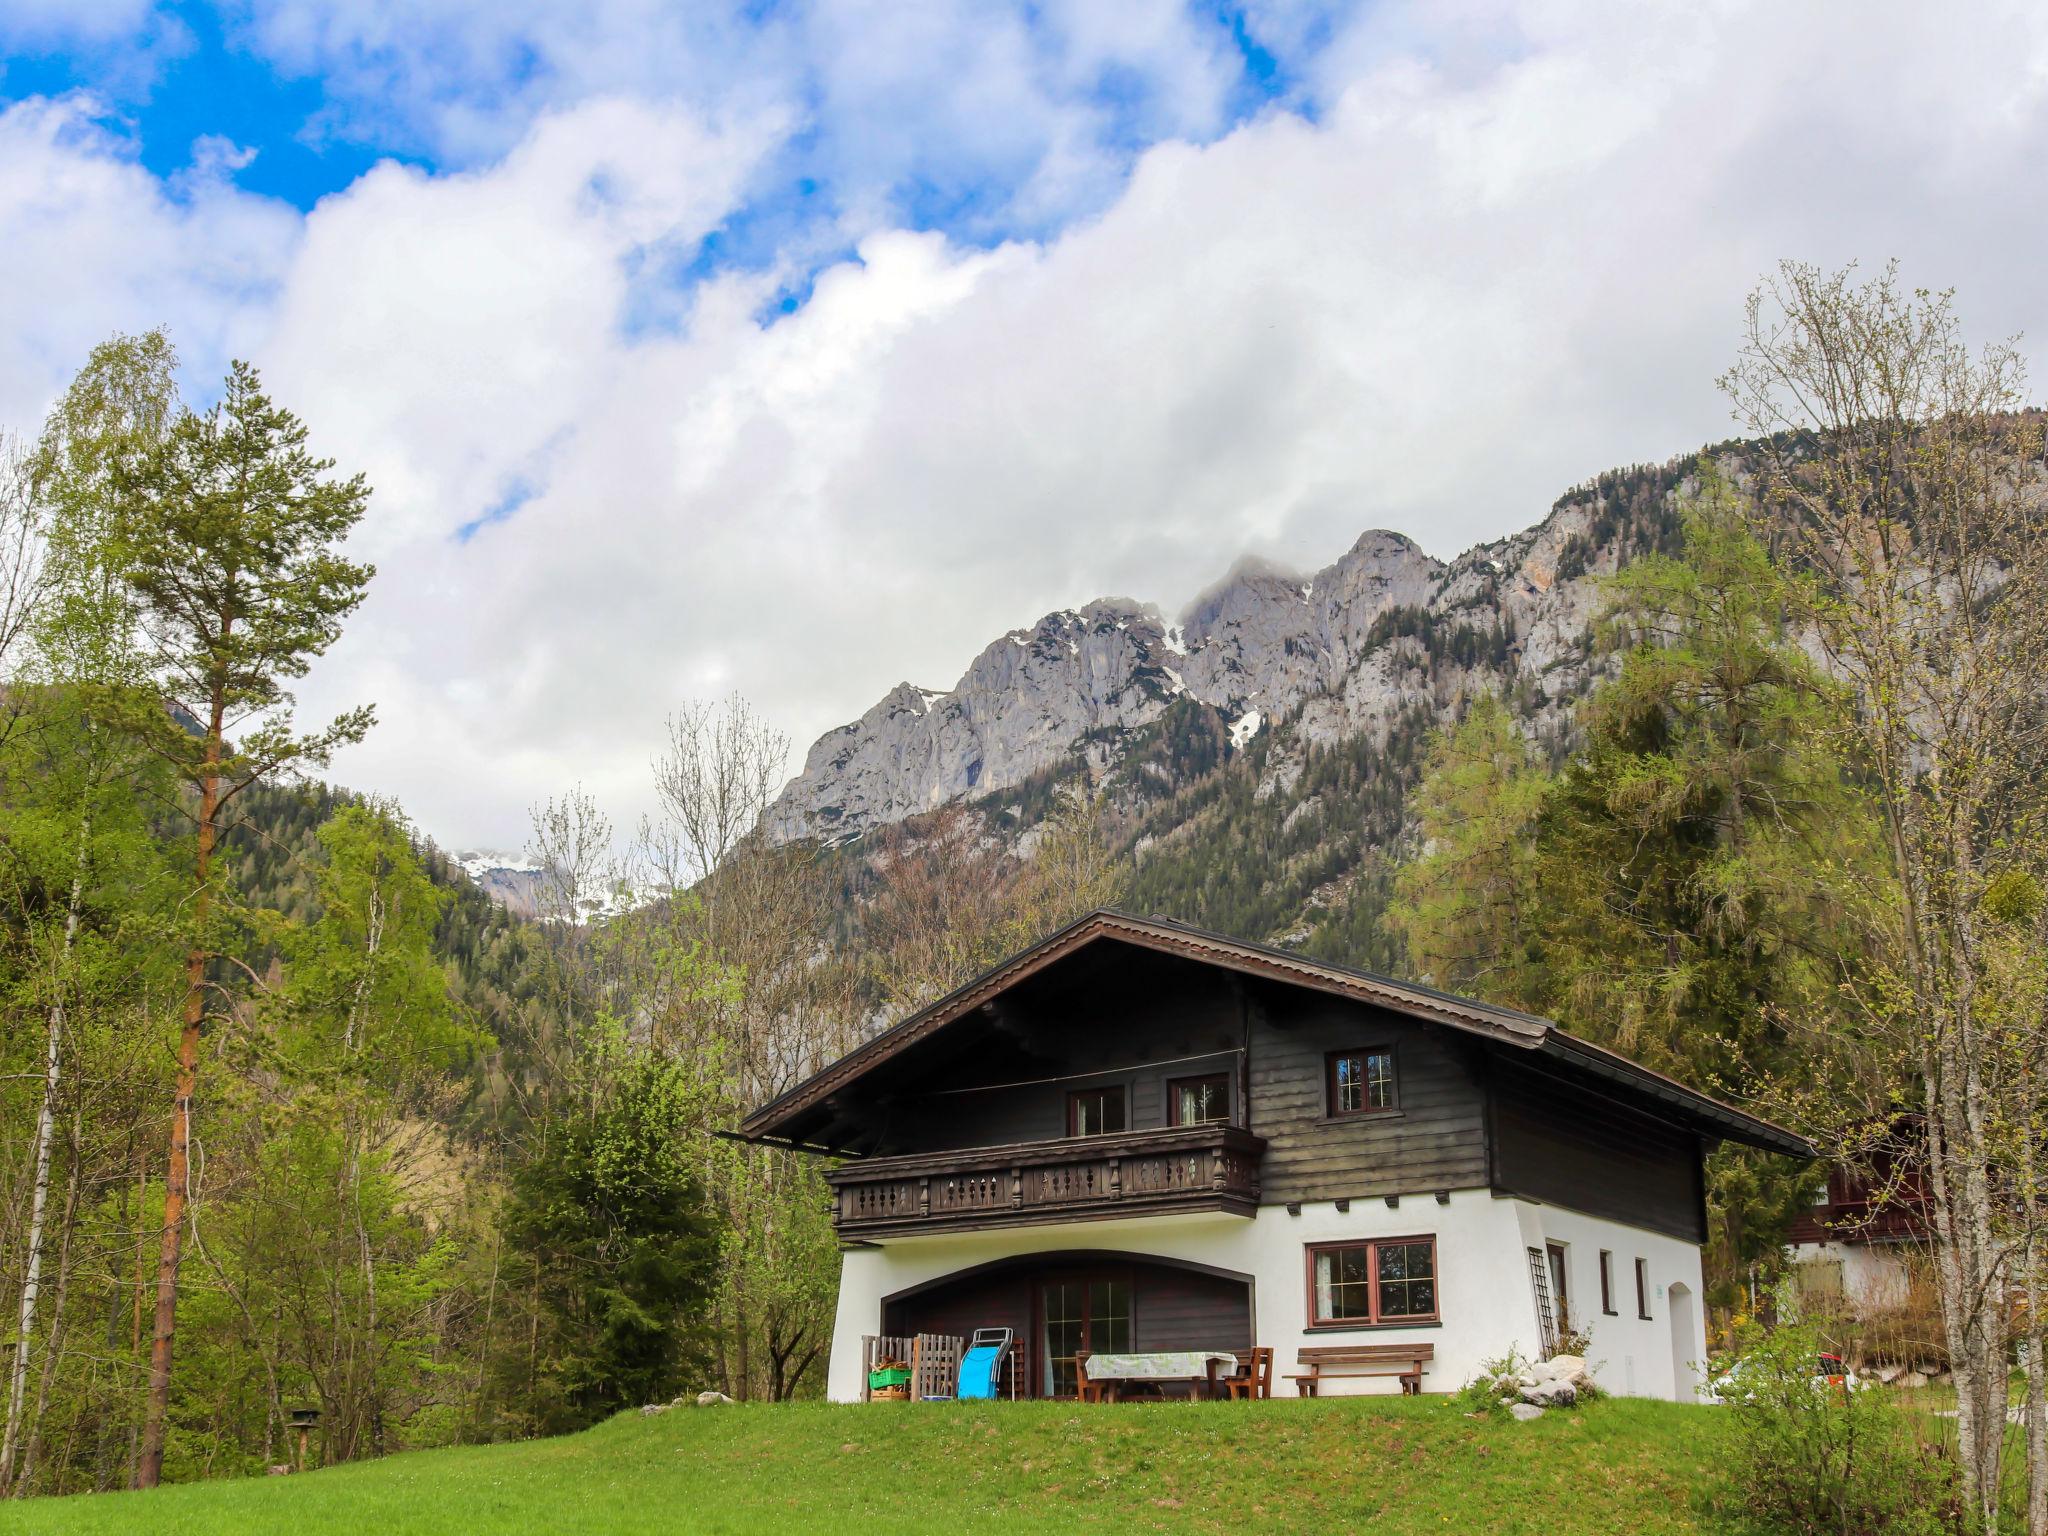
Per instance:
x=1558, y=1142
x=1184, y=1309
x=993, y=1299
x=1119, y=1014
x=1435, y=1140
x=1139, y=1026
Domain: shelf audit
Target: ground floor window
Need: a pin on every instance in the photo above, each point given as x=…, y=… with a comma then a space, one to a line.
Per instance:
x=1363, y=1285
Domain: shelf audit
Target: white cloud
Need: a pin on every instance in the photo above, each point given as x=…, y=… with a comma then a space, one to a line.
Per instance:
x=1024, y=108
x=95, y=244
x=1482, y=273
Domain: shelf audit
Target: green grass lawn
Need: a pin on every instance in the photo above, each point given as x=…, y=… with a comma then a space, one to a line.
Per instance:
x=1395, y=1465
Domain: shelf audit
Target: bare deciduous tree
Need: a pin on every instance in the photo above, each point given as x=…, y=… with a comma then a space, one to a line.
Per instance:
x=1907, y=473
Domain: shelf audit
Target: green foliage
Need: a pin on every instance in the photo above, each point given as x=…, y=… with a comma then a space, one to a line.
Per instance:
x=612, y=1220
x=367, y=995
x=1306, y=866
x=1677, y=888
x=1470, y=910
x=1497, y=1384
x=227, y=533
x=1813, y=1459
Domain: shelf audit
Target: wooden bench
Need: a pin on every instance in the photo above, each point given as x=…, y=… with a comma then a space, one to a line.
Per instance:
x=1403, y=1360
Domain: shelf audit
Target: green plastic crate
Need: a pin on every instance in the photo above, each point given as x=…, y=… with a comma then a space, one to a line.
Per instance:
x=895, y=1378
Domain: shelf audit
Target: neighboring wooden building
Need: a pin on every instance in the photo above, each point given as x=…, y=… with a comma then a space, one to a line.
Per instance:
x=1867, y=1231
x=1139, y=1136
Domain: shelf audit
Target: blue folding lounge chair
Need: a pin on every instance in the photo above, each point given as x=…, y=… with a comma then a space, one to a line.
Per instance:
x=981, y=1366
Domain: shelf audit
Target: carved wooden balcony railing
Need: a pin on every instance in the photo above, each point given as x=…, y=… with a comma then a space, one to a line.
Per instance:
x=1133, y=1173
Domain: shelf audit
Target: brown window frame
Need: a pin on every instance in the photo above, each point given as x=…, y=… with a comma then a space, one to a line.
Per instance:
x=1643, y=1290
x=1607, y=1283
x=1123, y=1098
x=1330, y=1060
x=1174, y=1086
x=1320, y=1324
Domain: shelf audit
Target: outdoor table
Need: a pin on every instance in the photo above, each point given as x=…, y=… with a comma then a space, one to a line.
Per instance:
x=1196, y=1367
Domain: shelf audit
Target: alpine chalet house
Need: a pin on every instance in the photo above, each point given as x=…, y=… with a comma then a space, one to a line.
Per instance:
x=1136, y=1136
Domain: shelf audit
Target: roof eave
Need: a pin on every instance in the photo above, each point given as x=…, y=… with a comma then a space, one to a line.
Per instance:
x=1504, y=1025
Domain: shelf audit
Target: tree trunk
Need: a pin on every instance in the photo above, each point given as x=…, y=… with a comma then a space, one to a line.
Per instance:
x=46, y=1130
x=64, y=1267
x=177, y=1180
x=2037, y=1368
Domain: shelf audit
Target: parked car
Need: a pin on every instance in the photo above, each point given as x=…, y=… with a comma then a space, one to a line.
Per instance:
x=1829, y=1372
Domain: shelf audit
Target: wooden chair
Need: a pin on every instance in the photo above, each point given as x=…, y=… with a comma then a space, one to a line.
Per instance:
x=1091, y=1391
x=1254, y=1376
x=1406, y=1361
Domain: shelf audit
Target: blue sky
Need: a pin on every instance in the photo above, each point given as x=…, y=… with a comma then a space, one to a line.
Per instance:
x=170, y=93
x=305, y=102
x=804, y=348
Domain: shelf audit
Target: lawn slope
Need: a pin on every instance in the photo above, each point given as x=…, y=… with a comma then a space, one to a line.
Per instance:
x=1390, y=1464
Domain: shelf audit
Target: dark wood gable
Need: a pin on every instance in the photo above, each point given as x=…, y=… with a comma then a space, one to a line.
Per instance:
x=1433, y=1137
x=1120, y=1007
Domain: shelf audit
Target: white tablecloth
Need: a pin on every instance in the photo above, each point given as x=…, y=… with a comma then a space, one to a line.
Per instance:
x=1167, y=1365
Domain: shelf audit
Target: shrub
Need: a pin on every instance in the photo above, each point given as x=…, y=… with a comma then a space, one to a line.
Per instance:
x=1496, y=1385
x=1809, y=1457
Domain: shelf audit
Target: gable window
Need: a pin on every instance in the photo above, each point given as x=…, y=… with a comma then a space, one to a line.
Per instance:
x=1607, y=1283
x=1361, y=1082
x=1095, y=1111
x=1366, y=1285
x=1199, y=1100
x=1642, y=1288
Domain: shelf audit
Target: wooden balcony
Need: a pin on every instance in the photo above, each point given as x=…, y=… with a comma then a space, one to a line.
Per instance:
x=1133, y=1173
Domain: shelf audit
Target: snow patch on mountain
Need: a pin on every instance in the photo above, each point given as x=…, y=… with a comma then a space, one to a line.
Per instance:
x=1328, y=654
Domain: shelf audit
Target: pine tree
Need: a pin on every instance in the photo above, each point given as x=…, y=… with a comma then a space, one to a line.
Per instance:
x=230, y=533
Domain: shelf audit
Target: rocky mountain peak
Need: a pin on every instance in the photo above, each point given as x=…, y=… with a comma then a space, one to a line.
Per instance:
x=1337, y=652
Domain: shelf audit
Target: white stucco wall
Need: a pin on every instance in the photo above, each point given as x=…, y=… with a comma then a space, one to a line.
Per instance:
x=1661, y=1356
x=1484, y=1294
x=1874, y=1275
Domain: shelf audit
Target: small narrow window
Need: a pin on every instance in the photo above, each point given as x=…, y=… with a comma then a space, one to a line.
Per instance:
x=1199, y=1100
x=1361, y=1082
x=1642, y=1288
x=1095, y=1111
x=1560, y=1285
x=1607, y=1282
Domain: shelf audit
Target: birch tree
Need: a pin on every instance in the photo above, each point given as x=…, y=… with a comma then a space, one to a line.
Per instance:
x=1905, y=473
x=61, y=588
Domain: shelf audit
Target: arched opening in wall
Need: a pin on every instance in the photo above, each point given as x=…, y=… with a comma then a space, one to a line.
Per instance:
x=1685, y=1347
x=1083, y=1301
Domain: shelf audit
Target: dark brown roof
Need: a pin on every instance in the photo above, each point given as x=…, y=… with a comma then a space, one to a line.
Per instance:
x=1505, y=1026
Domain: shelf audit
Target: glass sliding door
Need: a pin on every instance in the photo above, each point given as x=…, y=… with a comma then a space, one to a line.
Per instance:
x=1065, y=1335
x=1080, y=1314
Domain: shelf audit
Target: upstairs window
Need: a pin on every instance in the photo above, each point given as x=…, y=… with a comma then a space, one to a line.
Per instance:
x=1607, y=1283
x=1095, y=1111
x=1361, y=1082
x=1643, y=1288
x=1199, y=1100
x=1366, y=1285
